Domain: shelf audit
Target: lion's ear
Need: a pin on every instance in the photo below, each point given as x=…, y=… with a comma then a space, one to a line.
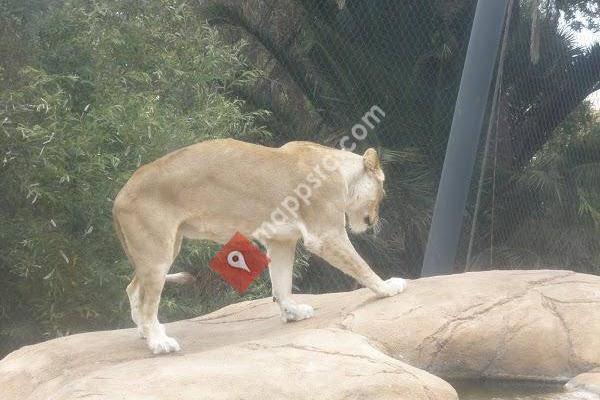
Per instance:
x=371, y=160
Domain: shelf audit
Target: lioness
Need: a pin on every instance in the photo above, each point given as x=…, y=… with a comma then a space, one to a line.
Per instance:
x=212, y=189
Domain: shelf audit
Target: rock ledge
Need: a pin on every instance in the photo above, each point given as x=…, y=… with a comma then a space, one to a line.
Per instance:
x=540, y=325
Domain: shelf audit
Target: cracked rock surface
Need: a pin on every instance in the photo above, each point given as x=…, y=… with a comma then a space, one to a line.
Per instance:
x=541, y=325
x=528, y=325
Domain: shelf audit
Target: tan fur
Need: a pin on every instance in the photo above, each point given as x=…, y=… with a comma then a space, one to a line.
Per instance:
x=212, y=189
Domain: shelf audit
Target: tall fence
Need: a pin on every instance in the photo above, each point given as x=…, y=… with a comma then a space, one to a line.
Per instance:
x=533, y=201
x=328, y=65
x=536, y=194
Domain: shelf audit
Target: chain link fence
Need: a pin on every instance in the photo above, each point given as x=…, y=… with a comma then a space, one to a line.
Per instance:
x=533, y=202
x=341, y=59
x=535, y=195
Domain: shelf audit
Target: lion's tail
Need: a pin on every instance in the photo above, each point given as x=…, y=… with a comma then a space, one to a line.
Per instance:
x=181, y=278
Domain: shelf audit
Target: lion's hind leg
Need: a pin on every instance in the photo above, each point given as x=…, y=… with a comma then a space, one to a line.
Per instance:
x=133, y=293
x=151, y=246
x=151, y=286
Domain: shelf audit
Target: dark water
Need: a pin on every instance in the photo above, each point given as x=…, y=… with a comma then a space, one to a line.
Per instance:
x=494, y=390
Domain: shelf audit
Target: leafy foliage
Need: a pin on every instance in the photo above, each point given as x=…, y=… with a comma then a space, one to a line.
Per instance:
x=579, y=13
x=548, y=215
x=107, y=86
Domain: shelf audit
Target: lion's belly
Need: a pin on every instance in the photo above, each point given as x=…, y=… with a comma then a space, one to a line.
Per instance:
x=221, y=229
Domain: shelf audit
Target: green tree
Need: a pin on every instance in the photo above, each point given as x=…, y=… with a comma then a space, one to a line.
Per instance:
x=548, y=214
x=102, y=87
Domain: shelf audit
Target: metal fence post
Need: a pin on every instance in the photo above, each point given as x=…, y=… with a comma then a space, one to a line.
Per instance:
x=463, y=142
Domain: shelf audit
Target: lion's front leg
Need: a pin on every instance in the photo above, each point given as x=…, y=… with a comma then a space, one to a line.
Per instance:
x=281, y=271
x=336, y=248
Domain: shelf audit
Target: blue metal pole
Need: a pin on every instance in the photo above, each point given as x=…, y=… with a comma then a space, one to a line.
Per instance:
x=463, y=142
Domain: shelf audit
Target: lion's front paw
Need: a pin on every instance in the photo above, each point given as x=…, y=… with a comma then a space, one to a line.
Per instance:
x=296, y=312
x=393, y=286
x=163, y=344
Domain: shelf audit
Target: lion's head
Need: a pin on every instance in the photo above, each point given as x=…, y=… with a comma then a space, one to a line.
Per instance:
x=366, y=194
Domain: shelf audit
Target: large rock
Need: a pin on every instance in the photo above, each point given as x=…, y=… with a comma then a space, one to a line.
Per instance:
x=542, y=325
x=528, y=325
x=311, y=364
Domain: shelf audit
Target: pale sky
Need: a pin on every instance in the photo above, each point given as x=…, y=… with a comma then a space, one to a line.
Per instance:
x=586, y=38
x=595, y=99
